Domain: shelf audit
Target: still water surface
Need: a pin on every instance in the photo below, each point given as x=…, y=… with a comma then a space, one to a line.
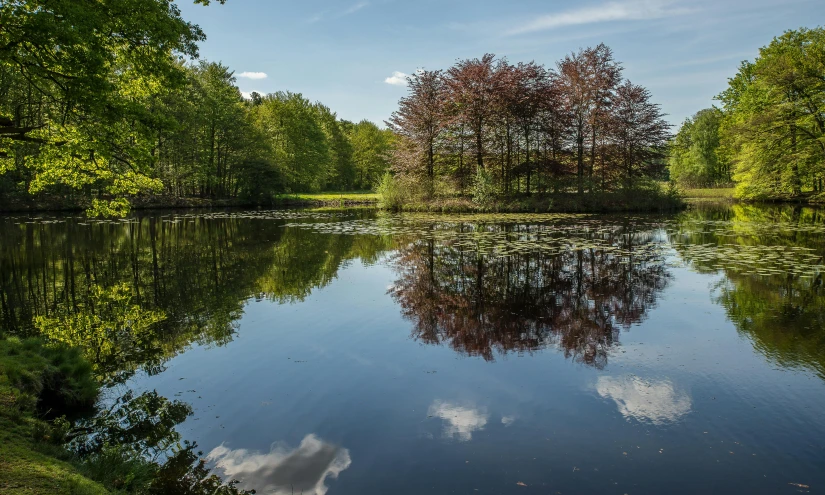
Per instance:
x=356, y=352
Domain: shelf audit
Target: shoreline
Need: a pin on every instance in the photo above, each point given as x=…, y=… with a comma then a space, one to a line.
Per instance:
x=186, y=204
x=527, y=204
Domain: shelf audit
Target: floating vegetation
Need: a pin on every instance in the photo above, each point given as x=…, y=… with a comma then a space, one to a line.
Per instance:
x=549, y=234
x=762, y=247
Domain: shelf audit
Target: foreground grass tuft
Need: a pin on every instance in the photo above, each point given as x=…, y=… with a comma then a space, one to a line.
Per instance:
x=33, y=378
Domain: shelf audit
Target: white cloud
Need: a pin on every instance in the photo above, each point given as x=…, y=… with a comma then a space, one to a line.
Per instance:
x=460, y=421
x=247, y=95
x=283, y=471
x=507, y=420
x=253, y=75
x=633, y=10
x=397, y=79
x=356, y=7
x=657, y=402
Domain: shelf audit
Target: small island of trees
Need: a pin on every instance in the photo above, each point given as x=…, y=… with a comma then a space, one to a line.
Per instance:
x=500, y=133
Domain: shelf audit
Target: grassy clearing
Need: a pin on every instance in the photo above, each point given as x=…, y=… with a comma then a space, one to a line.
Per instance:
x=726, y=193
x=331, y=197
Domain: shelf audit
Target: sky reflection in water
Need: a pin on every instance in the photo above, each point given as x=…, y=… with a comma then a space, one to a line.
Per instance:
x=282, y=470
x=408, y=355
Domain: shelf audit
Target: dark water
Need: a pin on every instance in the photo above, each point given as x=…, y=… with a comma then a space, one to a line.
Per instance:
x=356, y=352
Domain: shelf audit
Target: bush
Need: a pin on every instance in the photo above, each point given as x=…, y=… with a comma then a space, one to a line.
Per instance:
x=484, y=190
x=390, y=192
x=50, y=377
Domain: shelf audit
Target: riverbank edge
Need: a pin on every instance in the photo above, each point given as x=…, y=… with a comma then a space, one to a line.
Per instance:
x=535, y=204
x=727, y=195
x=182, y=204
x=555, y=203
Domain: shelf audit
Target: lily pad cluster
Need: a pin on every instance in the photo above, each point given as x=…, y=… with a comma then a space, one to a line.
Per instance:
x=545, y=233
x=763, y=248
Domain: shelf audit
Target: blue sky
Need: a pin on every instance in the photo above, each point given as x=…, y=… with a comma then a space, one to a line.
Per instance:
x=345, y=53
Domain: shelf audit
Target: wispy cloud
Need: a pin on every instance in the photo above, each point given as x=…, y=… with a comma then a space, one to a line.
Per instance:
x=356, y=7
x=317, y=17
x=320, y=16
x=633, y=10
x=253, y=75
x=397, y=79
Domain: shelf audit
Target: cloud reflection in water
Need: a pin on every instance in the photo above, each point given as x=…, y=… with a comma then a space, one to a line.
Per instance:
x=653, y=401
x=283, y=470
x=459, y=421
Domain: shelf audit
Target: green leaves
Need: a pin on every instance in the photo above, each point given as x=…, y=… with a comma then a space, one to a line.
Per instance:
x=695, y=158
x=77, y=78
x=774, y=124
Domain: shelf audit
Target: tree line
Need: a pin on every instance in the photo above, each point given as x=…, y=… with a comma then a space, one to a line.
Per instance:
x=525, y=128
x=102, y=101
x=768, y=135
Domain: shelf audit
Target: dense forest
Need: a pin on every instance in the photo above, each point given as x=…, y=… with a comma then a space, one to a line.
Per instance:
x=768, y=135
x=103, y=102
x=489, y=128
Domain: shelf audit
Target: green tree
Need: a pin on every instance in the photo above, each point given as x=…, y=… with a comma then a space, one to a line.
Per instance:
x=339, y=172
x=74, y=77
x=371, y=153
x=774, y=126
x=296, y=137
x=695, y=158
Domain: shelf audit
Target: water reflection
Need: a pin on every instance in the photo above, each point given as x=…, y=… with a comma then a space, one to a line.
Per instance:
x=577, y=300
x=776, y=299
x=283, y=471
x=135, y=293
x=648, y=401
x=459, y=421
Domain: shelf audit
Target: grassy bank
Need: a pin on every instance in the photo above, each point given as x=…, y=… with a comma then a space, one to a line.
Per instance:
x=59, y=203
x=34, y=380
x=725, y=194
x=614, y=202
x=330, y=198
x=728, y=195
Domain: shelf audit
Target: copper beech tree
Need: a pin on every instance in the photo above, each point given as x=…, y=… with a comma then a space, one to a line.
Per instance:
x=578, y=127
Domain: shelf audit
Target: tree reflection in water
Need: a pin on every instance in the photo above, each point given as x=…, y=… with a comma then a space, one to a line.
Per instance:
x=578, y=300
x=775, y=299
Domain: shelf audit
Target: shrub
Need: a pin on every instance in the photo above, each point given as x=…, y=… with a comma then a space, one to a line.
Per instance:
x=390, y=192
x=484, y=190
x=52, y=377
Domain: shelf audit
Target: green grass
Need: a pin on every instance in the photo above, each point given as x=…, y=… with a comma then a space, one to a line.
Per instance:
x=638, y=200
x=26, y=470
x=29, y=463
x=329, y=197
x=725, y=193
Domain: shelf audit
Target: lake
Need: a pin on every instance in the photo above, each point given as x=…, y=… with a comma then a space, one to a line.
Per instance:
x=356, y=352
